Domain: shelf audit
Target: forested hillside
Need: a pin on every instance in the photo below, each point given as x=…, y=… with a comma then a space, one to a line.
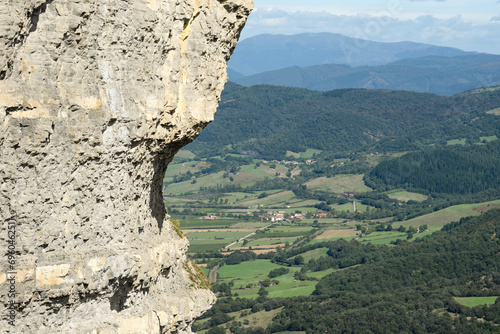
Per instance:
x=456, y=170
x=267, y=121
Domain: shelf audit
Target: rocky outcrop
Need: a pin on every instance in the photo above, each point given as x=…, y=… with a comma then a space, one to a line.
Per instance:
x=96, y=96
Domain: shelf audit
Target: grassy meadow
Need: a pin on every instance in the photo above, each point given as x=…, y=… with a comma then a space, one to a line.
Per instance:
x=475, y=301
x=405, y=196
x=339, y=184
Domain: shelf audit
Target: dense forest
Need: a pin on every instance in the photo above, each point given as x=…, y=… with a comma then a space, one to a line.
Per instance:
x=408, y=288
x=453, y=170
x=267, y=121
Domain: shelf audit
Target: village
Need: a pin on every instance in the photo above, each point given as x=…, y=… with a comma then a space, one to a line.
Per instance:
x=277, y=216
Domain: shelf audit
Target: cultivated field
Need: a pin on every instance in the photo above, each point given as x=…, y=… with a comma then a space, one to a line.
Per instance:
x=245, y=273
x=460, y=141
x=438, y=219
x=475, y=301
x=305, y=155
x=405, y=196
x=340, y=184
x=337, y=234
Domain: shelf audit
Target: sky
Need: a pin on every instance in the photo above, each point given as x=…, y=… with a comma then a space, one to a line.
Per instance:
x=470, y=25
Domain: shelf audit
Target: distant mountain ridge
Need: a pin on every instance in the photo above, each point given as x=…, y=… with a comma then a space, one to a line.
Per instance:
x=431, y=74
x=263, y=53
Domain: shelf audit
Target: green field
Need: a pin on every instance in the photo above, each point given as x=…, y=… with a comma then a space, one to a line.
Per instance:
x=344, y=183
x=204, y=246
x=475, y=301
x=292, y=289
x=438, y=219
x=251, y=224
x=350, y=207
x=206, y=224
x=320, y=274
x=177, y=201
x=270, y=241
x=304, y=155
x=185, y=154
x=489, y=138
x=313, y=254
x=246, y=177
x=405, y=196
x=383, y=238
x=211, y=241
x=460, y=141
x=324, y=221
x=288, y=286
x=229, y=236
x=234, y=198
x=205, y=270
x=495, y=112
x=246, y=273
x=188, y=186
x=251, y=198
x=249, y=175
x=272, y=199
x=194, y=222
x=289, y=228
x=181, y=168
x=285, y=232
x=301, y=205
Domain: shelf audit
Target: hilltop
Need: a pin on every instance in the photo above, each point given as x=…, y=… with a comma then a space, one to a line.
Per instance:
x=268, y=121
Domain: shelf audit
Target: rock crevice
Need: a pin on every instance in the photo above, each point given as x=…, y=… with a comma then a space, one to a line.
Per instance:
x=96, y=97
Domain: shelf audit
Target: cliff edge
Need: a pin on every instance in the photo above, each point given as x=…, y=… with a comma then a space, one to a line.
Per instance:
x=96, y=96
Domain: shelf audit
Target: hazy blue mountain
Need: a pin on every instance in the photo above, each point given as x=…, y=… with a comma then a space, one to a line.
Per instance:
x=271, y=52
x=233, y=75
x=432, y=74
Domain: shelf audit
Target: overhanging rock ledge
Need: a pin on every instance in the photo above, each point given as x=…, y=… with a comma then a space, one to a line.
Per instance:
x=96, y=96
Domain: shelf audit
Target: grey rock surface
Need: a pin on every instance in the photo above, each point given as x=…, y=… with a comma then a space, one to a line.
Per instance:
x=96, y=97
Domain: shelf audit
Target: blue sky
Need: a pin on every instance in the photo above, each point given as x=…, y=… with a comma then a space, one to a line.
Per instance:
x=472, y=25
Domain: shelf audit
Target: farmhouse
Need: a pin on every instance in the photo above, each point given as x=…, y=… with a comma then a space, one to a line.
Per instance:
x=211, y=217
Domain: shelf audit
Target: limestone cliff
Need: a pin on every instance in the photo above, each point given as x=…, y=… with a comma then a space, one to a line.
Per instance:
x=96, y=96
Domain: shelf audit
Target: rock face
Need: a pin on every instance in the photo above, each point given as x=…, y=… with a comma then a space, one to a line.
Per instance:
x=96, y=96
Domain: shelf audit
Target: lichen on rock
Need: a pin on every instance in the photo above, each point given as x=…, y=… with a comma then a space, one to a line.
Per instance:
x=96, y=97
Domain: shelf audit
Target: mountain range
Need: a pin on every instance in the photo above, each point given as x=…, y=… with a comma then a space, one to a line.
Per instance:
x=331, y=61
x=430, y=74
x=263, y=53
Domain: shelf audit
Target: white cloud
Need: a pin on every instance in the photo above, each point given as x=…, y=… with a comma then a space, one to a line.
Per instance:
x=452, y=31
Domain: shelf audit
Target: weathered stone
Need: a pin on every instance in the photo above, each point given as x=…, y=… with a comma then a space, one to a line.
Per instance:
x=96, y=96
